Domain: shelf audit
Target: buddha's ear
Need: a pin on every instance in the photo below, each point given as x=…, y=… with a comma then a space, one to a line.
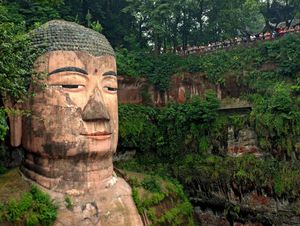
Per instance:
x=14, y=111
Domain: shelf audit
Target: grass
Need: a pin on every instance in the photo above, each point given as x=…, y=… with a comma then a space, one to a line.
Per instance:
x=12, y=185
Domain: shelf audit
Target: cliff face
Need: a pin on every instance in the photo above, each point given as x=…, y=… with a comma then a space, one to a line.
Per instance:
x=215, y=205
x=225, y=202
x=182, y=87
x=140, y=91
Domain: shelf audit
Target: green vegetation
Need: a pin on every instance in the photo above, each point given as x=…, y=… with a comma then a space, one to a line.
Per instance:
x=2, y=170
x=245, y=63
x=276, y=120
x=187, y=141
x=68, y=202
x=272, y=93
x=134, y=24
x=161, y=200
x=247, y=173
x=34, y=208
x=15, y=72
x=145, y=128
x=274, y=177
x=15, y=47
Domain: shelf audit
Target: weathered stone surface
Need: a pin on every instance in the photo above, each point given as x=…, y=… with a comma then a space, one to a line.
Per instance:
x=259, y=202
x=110, y=204
x=10, y=158
x=209, y=218
x=72, y=131
x=182, y=88
x=250, y=208
x=245, y=143
x=130, y=90
x=62, y=35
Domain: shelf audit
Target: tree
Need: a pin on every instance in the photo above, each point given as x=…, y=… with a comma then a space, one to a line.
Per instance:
x=15, y=71
x=33, y=12
x=277, y=11
x=252, y=20
x=14, y=48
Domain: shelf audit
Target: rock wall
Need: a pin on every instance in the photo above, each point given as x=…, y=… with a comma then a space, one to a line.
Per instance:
x=244, y=143
x=253, y=208
x=140, y=91
x=10, y=157
x=182, y=87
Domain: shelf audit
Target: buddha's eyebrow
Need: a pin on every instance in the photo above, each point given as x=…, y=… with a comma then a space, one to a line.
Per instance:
x=64, y=69
x=110, y=73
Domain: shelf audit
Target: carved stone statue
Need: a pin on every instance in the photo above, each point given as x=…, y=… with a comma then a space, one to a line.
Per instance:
x=71, y=132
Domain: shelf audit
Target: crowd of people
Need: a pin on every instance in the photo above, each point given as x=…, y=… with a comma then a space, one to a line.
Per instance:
x=276, y=33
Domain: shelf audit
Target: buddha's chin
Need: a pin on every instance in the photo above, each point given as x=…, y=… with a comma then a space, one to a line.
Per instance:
x=94, y=146
x=100, y=145
x=72, y=146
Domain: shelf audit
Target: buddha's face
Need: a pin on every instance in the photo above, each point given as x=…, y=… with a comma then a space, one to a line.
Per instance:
x=74, y=108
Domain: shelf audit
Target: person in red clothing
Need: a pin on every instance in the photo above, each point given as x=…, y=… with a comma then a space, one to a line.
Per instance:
x=267, y=35
x=281, y=32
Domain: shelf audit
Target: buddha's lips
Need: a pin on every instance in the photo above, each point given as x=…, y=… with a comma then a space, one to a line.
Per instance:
x=97, y=134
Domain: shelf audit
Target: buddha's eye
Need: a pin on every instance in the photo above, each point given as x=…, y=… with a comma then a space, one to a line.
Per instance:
x=68, y=87
x=71, y=86
x=110, y=89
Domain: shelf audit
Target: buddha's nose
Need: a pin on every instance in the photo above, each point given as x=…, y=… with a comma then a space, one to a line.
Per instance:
x=95, y=109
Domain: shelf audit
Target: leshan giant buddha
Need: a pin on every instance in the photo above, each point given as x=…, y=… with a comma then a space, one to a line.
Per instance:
x=72, y=131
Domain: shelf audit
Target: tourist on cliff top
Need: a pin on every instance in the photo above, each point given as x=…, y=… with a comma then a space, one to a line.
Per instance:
x=226, y=43
x=281, y=32
x=202, y=49
x=238, y=40
x=274, y=34
x=209, y=47
x=252, y=38
x=291, y=30
x=267, y=35
x=213, y=46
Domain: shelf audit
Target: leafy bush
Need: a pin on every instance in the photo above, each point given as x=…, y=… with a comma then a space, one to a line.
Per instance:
x=276, y=119
x=151, y=183
x=247, y=172
x=162, y=200
x=136, y=127
x=145, y=128
x=15, y=72
x=2, y=170
x=35, y=207
x=245, y=63
x=68, y=202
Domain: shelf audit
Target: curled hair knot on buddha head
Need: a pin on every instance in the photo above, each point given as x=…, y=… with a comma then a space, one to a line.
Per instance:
x=68, y=36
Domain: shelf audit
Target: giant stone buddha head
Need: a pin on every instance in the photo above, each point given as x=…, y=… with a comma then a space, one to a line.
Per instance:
x=72, y=130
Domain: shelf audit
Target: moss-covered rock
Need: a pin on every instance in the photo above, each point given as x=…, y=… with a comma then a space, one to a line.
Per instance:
x=159, y=201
